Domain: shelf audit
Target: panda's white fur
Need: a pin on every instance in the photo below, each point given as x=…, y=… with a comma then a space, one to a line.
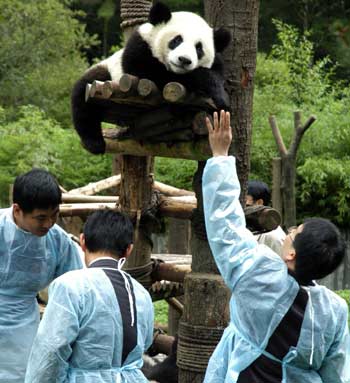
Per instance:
x=149, y=53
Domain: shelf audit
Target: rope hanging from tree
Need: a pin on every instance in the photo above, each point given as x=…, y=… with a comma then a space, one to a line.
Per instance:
x=134, y=12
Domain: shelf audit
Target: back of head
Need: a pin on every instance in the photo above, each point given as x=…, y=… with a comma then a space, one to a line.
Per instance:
x=319, y=248
x=108, y=231
x=259, y=190
x=36, y=189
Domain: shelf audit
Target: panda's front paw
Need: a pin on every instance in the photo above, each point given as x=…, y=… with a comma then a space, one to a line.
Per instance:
x=94, y=146
x=222, y=101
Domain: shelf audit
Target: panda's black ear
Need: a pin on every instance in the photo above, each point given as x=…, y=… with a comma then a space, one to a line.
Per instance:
x=159, y=13
x=222, y=38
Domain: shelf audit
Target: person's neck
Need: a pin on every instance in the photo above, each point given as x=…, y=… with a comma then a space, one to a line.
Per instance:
x=92, y=257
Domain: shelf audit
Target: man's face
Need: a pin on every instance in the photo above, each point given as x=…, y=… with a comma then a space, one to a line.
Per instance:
x=38, y=221
x=250, y=201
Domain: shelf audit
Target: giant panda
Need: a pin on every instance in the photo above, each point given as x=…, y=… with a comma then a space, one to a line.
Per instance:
x=178, y=46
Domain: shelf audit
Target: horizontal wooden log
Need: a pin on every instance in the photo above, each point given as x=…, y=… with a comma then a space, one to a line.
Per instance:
x=129, y=84
x=171, y=190
x=193, y=150
x=84, y=209
x=174, y=92
x=147, y=88
x=95, y=187
x=81, y=198
x=178, y=207
x=171, y=272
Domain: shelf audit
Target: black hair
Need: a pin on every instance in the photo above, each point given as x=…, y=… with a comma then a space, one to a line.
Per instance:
x=259, y=190
x=110, y=231
x=36, y=189
x=319, y=249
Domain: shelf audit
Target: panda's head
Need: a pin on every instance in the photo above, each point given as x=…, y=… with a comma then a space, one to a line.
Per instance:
x=182, y=41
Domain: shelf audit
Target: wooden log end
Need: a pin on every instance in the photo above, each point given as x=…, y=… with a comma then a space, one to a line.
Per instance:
x=199, y=126
x=147, y=88
x=174, y=92
x=128, y=83
x=87, y=92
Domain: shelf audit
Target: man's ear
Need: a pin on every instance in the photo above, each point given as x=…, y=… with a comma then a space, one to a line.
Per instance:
x=128, y=250
x=159, y=13
x=222, y=39
x=290, y=257
x=82, y=242
x=259, y=201
x=16, y=210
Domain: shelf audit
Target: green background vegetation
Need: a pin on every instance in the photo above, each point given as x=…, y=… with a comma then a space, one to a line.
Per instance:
x=303, y=64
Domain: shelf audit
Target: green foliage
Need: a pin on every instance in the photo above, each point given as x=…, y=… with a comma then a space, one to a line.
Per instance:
x=345, y=294
x=305, y=75
x=289, y=80
x=33, y=140
x=40, y=43
x=175, y=172
x=161, y=312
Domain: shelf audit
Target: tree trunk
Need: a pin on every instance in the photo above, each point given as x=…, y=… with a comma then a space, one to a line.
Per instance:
x=241, y=18
x=206, y=297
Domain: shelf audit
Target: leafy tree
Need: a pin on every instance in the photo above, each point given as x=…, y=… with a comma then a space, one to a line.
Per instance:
x=40, y=44
x=33, y=140
x=287, y=80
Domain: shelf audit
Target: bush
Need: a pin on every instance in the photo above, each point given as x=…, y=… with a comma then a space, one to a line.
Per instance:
x=33, y=140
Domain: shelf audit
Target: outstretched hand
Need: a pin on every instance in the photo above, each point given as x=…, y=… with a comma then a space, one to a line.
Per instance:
x=220, y=134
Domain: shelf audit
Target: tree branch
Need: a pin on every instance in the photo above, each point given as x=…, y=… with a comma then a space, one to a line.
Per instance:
x=277, y=135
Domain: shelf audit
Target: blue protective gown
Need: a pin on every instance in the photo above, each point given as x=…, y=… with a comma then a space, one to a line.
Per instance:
x=80, y=337
x=28, y=263
x=262, y=292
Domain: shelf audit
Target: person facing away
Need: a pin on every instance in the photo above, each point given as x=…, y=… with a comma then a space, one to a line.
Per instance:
x=99, y=320
x=283, y=326
x=259, y=194
x=33, y=251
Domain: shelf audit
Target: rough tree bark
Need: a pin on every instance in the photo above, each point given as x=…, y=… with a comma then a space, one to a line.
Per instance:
x=206, y=298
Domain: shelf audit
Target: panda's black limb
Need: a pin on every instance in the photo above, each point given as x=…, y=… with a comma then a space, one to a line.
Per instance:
x=87, y=116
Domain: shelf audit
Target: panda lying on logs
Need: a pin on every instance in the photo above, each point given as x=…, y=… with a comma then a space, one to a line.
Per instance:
x=171, y=47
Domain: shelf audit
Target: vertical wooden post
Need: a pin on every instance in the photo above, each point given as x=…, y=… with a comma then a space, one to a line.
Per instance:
x=136, y=181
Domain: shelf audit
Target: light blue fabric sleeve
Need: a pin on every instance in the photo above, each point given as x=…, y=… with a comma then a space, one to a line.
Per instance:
x=336, y=365
x=67, y=253
x=57, y=331
x=232, y=245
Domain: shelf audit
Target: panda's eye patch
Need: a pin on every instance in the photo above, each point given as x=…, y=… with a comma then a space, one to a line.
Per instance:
x=199, y=50
x=175, y=42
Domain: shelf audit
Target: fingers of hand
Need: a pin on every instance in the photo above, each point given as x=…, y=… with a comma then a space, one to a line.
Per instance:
x=216, y=121
x=209, y=125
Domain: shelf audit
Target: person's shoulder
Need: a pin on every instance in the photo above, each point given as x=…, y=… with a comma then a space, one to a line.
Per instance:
x=140, y=289
x=71, y=279
x=331, y=299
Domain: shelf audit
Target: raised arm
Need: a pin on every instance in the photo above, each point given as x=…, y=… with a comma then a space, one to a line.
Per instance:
x=232, y=245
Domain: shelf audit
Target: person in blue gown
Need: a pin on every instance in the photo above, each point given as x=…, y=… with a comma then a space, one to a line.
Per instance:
x=99, y=320
x=283, y=327
x=33, y=251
